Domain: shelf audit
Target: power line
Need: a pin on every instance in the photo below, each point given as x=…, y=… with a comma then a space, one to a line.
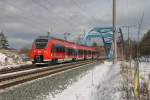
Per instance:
x=83, y=11
x=26, y=18
x=47, y=9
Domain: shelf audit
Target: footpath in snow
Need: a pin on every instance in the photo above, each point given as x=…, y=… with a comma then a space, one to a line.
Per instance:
x=101, y=83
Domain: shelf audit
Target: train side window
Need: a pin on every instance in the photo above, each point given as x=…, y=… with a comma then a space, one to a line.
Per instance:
x=89, y=52
x=58, y=48
x=80, y=52
x=72, y=52
x=63, y=49
x=85, y=52
x=92, y=52
x=67, y=50
x=53, y=48
x=75, y=52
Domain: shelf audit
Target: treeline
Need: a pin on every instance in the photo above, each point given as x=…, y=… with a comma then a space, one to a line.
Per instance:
x=143, y=46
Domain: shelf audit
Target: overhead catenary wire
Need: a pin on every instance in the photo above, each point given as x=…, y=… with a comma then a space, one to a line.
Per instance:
x=83, y=11
x=30, y=19
x=34, y=22
x=26, y=19
x=47, y=9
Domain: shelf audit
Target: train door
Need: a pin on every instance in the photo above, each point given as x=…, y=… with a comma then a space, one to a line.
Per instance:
x=58, y=51
x=85, y=54
x=70, y=53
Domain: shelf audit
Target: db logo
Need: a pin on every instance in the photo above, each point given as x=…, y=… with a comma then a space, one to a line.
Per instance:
x=39, y=51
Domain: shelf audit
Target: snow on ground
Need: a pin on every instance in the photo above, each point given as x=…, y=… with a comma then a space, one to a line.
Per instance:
x=101, y=83
x=145, y=71
x=10, y=59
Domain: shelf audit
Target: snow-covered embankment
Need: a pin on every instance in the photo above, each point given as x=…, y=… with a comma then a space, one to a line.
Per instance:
x=11, y=60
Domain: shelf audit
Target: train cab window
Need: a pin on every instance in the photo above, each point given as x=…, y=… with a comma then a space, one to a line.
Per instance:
x=41, y=43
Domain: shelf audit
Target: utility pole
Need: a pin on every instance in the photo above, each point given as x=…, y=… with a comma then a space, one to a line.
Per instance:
x=50, y=31
x=138, y=51
x=114, y=32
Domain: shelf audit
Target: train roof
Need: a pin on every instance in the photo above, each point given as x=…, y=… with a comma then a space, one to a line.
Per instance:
x=50, y=37
x=45, y=37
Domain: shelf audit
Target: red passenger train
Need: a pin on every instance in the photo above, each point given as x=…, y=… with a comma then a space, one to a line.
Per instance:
x=46, y=49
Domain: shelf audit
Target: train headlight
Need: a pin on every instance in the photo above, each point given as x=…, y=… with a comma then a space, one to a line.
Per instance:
x=45, y=51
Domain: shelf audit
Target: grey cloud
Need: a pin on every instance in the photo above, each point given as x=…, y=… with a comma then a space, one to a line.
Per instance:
x=23, y=20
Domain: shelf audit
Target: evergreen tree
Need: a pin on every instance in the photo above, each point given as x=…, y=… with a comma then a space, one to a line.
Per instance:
x=3, y=41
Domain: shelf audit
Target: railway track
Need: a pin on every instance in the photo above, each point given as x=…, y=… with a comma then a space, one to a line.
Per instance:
x=29, y=67
x=18, y=77
x=25, y=67
x=15, y=69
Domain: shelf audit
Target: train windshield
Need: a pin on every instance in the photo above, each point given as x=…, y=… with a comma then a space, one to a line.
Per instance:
x=41, y=43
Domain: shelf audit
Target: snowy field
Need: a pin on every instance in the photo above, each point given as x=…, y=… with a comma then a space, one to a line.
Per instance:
x=145, y=72
x=10, y=59
x=145, y=69
x=101, y=83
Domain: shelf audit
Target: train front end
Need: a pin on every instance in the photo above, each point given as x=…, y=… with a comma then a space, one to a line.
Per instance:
x=40, y=52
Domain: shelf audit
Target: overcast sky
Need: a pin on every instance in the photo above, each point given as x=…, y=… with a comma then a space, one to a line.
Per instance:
x=23, y=20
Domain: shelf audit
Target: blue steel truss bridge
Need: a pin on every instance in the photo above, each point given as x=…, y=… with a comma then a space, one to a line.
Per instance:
x=103, y=36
